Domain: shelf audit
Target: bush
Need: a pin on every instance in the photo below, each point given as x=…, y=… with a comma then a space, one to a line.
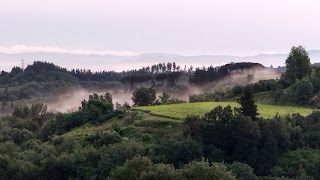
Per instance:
x=144, y=96
x=242, y=171
x=203, y=170
x=103, y=138
x=206, y=97
x=300, y=92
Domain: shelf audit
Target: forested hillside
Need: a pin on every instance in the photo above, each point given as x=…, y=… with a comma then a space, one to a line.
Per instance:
x=101, y=141
x=44, y=80
x=156, y=135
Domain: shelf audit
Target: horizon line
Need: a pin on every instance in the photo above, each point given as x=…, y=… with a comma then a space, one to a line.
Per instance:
x=25, y=49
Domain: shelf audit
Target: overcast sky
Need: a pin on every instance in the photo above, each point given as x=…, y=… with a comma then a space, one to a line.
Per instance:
x=187, y=27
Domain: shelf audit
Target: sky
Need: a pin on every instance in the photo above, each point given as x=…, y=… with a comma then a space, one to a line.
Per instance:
x=186, y=27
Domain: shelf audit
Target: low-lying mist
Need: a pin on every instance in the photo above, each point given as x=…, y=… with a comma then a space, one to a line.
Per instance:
x=70, y=100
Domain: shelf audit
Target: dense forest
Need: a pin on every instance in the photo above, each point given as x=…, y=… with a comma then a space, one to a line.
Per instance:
x=210, y=74
x=223, y=144
x=103, y=139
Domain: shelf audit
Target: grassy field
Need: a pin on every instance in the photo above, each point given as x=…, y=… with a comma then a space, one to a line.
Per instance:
x=180, y=111
x=147, y=124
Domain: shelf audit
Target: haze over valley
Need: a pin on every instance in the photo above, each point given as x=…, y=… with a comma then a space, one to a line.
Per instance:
x=159, y=89
x=98, y=62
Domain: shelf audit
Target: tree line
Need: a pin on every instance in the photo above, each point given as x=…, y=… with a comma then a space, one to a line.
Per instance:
x=211, y=74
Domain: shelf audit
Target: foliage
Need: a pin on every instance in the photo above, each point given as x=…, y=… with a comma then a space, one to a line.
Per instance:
x=295, y=163
x=161, y=172
x=165, y=98
x=96, y=110
x=159, y=150
x=103, y=138
x=298, y=64
x=135, y=79
x=210, y=74
x=117, y=154
x=300, y=92
x=173, y=77
x=182, y=110
x=242, y=171
x=144, y=96
x=143, y=168
x=131, y=169
x=94, y=143
x=234, y=134
x=178, y=152
x=205, y=97
x=232, y=137
x=161, y=77
x=248, y=106
x=203, y=170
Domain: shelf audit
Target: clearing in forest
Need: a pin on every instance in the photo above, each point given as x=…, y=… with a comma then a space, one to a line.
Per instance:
x=180, y=111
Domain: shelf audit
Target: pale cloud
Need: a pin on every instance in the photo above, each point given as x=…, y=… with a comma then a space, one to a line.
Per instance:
x=19, y=49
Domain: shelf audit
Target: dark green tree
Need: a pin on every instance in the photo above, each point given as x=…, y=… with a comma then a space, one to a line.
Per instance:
x=161, y=77
x=131, y=169
x=179, y=152
x=242, y=171
x=173, y=77
x=203, y=170
x=298, y=64
x=165, y=98
x=144, y=96
x=248, y=106
x=162, y=172
x=300, y=92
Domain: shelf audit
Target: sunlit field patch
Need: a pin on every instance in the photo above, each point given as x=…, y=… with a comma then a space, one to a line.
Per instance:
x=180, y=111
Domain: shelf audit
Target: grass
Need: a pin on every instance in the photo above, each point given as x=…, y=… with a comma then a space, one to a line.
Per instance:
x=89, y=129
x=180, y=111
x=150, y=124
x=162, y=120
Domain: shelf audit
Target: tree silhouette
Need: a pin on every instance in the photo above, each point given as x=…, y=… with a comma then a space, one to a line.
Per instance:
x=248, y=106
x=298, y=64
x=144, y=96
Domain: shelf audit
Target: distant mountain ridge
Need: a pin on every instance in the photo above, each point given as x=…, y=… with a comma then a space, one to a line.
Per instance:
x=119, y=63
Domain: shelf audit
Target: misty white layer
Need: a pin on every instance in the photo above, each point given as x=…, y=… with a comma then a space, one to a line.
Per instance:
x=119, y=61
x=19, y=49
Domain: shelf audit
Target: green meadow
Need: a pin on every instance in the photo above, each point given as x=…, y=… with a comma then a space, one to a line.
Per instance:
x=180, y=111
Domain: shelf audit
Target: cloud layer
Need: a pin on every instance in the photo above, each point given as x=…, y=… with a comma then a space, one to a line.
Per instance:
x=19, y=49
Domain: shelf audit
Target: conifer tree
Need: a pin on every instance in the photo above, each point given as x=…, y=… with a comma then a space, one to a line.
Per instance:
x=248, y=106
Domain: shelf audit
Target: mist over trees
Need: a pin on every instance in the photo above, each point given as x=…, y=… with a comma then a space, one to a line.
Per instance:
x=298, y=86
x=210, y=74
x=44, y=79
x=103, y=139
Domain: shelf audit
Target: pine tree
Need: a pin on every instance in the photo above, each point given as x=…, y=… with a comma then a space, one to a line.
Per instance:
x=248, y=106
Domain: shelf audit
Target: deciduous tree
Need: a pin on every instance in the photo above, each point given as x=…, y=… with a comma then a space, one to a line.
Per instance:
x=144, y=96
x=298, y=64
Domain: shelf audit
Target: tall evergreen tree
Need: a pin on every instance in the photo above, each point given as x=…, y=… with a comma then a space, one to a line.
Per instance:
x=298, y=64
x=248, y=106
